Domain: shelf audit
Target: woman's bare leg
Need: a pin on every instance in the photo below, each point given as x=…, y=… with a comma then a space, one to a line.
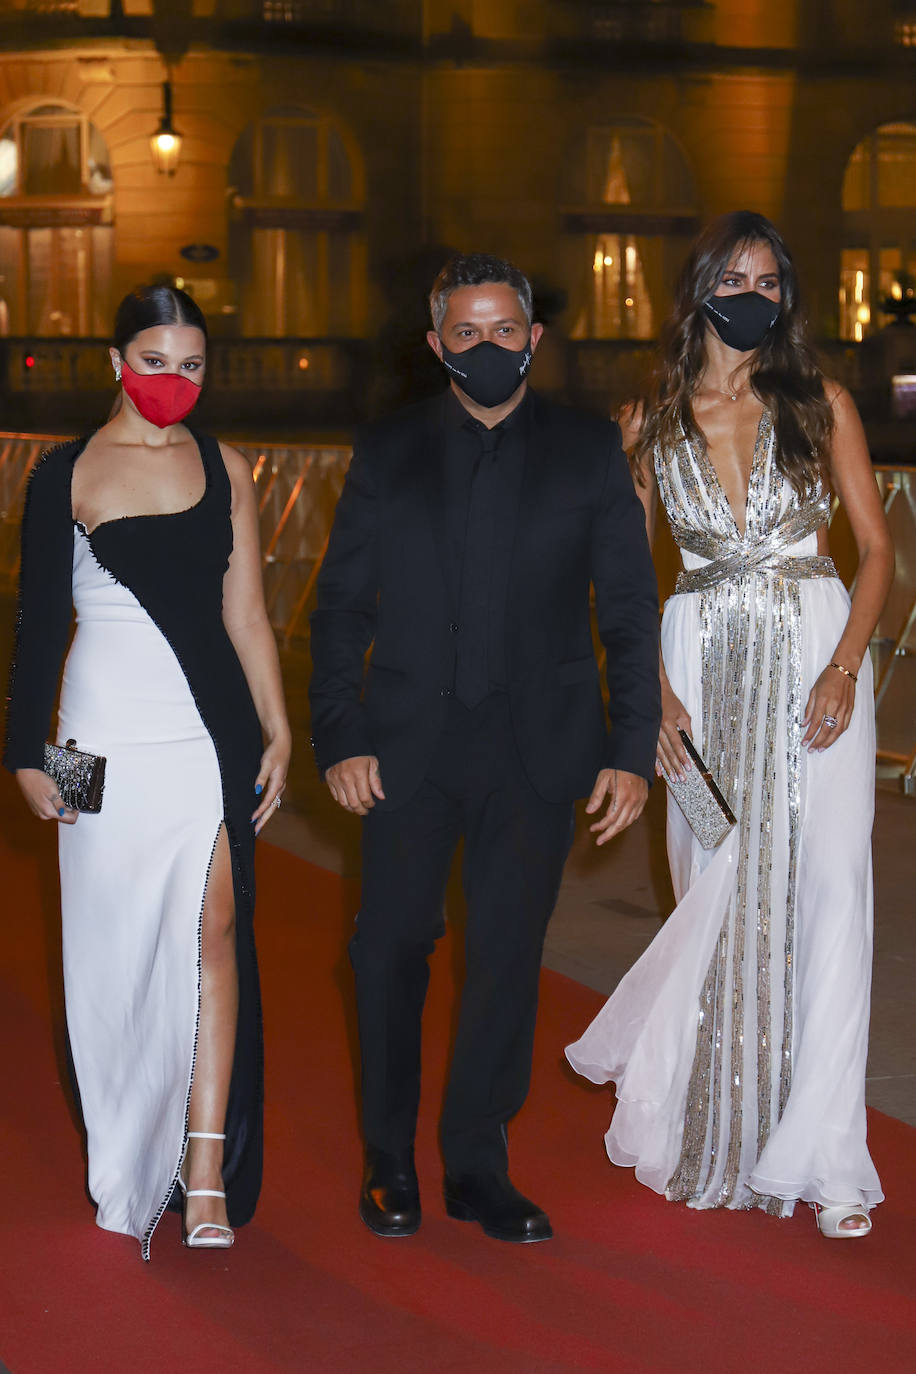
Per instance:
x=219, y=1001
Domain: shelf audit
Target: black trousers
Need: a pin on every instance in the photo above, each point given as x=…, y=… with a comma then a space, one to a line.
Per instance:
x=515, y=848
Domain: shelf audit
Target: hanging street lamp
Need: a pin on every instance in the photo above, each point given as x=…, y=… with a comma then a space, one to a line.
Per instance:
x=166, y=141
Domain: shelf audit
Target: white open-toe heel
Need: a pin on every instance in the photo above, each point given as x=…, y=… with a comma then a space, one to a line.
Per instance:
x=830, y=1219
x=193, y=1239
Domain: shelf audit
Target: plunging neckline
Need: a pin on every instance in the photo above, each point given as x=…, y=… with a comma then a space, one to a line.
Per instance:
x=714, y=483
x=150, y=515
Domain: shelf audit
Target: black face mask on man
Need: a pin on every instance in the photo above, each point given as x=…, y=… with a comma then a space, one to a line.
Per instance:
x=744, y=320
x=488, y=373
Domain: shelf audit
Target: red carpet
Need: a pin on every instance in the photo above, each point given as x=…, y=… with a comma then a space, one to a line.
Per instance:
x=630, y=1284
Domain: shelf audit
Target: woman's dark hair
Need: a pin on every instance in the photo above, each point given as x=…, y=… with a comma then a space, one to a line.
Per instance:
x=785, y=374
x=149, y=306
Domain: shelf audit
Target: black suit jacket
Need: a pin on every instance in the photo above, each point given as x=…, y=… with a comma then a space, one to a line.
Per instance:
x=385, y=583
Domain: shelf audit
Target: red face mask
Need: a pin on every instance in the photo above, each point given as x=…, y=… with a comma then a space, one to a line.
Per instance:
x=163, y=398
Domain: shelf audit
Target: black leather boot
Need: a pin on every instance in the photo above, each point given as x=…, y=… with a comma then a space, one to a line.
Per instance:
x=389, y=1202
x=502, y=1211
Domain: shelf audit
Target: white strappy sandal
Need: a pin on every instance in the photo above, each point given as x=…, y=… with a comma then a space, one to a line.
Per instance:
x=193, y=1239
x=830, y=1220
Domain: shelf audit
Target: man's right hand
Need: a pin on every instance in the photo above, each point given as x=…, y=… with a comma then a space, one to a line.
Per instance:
x=356, y=783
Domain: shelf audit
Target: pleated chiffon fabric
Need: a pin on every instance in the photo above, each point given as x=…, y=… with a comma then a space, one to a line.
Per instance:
x=153, y=683
x=738, y=1041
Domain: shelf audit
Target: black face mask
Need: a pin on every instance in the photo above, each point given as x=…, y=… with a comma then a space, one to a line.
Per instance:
x=742, y=321
x=488, y=373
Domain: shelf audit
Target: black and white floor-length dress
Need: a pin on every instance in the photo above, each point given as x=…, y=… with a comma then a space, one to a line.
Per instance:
x=153, y=683
x=738, y=1041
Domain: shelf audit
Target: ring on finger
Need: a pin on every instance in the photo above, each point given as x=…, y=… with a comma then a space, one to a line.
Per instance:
x=830, y=722
x=277, y=803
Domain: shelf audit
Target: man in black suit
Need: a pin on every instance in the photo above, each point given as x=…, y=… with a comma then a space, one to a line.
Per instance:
x=464, y=543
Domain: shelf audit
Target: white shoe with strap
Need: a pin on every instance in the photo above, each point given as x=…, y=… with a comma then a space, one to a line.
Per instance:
x=830, y=1220
x=194, y=1240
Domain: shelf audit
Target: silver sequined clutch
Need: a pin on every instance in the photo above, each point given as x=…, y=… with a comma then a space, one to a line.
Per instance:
x=707, y=812
x=80, y=777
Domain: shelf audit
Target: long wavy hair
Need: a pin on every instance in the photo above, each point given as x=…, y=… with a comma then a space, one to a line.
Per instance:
x=784, y=373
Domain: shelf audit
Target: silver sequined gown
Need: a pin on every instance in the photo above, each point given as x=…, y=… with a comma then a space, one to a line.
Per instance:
x=738, y=1041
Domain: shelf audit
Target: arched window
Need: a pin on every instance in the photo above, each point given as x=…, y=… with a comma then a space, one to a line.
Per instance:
x=879, y=228
x=297, y=241
x=55, y=223
x=632, y=207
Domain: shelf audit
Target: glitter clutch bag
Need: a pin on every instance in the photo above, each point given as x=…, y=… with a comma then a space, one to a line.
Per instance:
x=705, y=809
x=80, y=777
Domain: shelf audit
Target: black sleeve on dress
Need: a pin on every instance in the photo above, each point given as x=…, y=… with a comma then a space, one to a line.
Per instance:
x=45, y=609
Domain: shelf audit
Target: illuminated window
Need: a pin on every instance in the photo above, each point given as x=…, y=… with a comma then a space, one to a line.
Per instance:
x=636, y=208
x=55, y=224
x=878, y=264
x=297, y=241
x=52, y=150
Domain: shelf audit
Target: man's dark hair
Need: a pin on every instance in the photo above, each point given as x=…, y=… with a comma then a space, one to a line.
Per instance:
x=477, y=269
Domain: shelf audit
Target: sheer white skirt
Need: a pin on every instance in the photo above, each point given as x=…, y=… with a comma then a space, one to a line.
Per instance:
x=644, y=1038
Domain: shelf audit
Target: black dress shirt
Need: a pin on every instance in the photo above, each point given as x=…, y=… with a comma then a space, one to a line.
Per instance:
x=486, y=464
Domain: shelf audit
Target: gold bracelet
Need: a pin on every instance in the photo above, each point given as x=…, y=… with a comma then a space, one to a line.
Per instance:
x=840, y=669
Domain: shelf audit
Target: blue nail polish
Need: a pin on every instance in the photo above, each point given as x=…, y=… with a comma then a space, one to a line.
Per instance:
x=258, y=789
x=61, y=811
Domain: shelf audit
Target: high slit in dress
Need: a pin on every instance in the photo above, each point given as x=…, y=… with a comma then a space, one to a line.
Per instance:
x=153, y=683
x=738, y=1041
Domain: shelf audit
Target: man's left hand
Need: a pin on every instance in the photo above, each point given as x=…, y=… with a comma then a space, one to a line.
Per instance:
x=626, y=794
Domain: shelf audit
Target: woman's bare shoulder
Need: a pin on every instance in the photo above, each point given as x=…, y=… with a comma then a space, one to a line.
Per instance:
x=630, y=418
x=838, y=398
x=237, y=466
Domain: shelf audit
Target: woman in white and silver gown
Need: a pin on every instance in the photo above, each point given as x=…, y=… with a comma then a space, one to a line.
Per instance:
x=738, y=1041
x=150, y=530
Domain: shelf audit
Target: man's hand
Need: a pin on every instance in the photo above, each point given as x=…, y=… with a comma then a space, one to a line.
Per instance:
x=627, y=794
x=355, y=783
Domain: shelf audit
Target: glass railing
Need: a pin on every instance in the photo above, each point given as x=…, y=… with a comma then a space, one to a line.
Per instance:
x=298, y=486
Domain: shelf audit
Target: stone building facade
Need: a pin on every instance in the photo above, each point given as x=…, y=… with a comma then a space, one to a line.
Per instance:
x=333, y=150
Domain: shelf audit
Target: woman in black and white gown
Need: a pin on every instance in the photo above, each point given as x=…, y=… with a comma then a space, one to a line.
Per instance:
x=150, y=530
x=738, y=1041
